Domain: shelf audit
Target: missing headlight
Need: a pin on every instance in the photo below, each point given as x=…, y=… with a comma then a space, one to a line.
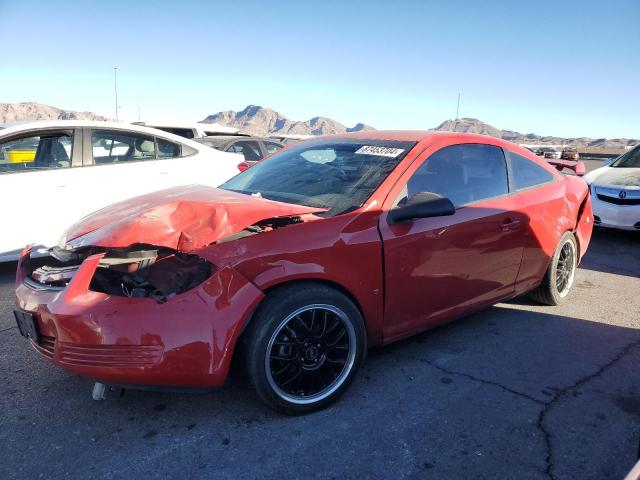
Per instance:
x=158, y=274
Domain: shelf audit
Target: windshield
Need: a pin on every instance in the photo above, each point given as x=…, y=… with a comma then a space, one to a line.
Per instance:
x=630, y=159
x=336, y=174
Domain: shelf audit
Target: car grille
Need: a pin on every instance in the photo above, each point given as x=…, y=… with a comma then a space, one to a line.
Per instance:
x=46, y=346
x=619, y=201
x=126, y=356
x=612, y=195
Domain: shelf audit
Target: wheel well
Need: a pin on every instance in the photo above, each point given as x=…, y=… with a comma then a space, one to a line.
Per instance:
x=318, y=281
x=575, y=228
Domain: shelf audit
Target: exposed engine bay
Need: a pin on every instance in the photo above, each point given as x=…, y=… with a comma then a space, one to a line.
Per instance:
x=262, y=226
x=149, y=273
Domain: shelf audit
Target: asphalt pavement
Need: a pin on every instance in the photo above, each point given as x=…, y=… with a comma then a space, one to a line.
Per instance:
x=518, y=391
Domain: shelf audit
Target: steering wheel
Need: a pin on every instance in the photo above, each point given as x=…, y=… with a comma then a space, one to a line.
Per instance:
x=337, y=172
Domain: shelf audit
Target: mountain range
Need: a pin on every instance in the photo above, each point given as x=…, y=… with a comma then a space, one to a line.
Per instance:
x=257, y=120
x=473, y=125
x=18, y=112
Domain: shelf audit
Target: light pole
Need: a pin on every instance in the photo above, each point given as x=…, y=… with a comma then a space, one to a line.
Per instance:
x=455, y=122
x=115, y=87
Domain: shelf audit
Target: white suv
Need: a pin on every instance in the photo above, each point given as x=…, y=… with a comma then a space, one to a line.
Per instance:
x=52, y=173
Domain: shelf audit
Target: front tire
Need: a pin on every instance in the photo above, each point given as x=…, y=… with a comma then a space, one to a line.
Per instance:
x=560, y=274
x=303, y=347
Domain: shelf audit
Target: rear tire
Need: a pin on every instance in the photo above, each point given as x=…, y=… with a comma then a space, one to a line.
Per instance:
x=303, y=347
x=560, y=275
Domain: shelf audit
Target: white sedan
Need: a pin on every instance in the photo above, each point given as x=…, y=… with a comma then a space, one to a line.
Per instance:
x=52, y=173
x=615, y=192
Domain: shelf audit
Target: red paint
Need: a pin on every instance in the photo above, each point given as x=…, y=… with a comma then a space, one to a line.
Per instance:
x=404, y=278
x=183, y=218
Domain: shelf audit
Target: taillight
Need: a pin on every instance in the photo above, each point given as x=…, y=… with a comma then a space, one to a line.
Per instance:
x=242, y=166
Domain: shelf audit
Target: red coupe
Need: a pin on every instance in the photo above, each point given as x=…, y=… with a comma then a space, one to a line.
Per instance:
x=299, y=264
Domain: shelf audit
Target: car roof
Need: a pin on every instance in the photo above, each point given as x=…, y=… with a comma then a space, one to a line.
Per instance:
x=29, y=125
x=412, y=135
x=62, y=124
x=424, y=137
x=207, y=127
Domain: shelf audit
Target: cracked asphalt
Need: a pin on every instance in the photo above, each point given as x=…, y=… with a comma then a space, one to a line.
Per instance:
x=518, y=391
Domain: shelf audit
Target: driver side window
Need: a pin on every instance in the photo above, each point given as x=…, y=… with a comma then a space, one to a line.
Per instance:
x=250, y=150
x=463, y=173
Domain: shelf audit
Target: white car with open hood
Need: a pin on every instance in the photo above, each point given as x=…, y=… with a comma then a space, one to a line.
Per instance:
x=615, y=192
x=54, y=172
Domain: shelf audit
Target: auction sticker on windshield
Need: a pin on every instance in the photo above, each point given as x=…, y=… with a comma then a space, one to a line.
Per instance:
x=379, y=151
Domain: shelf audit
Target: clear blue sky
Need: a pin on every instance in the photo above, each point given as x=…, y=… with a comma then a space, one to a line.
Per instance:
x=550, y=67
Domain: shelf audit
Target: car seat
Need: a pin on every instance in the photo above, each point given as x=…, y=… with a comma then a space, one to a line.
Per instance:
x=249, y=153
x=50, y=154
x=145, y=148
x=447, y=178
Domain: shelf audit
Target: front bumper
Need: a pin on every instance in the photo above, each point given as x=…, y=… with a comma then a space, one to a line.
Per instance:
x=186, y=342
x=609, y=215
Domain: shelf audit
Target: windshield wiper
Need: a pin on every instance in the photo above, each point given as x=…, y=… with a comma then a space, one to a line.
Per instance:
x=304, y=203
x=243, y=192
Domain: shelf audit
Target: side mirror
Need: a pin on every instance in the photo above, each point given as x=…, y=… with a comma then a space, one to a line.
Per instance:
x=607, y=162
x=422, y=205
x=580, y=169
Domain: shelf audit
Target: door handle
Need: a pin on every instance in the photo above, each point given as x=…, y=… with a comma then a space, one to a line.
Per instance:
x=509, y=225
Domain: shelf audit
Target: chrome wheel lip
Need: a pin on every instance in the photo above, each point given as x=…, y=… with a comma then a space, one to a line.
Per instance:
x=568, y=270
x=339, y=381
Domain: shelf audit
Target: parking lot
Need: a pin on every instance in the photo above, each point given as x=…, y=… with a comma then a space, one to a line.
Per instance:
x=516, y=391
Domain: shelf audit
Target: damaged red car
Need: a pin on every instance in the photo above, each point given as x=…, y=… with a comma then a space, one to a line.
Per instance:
x=299, y=264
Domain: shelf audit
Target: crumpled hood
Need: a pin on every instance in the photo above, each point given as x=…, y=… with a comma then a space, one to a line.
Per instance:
x=620, y=177
x=182, y=218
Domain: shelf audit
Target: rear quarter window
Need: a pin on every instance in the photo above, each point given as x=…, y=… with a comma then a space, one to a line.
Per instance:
x=167, y=149
x=526, y=173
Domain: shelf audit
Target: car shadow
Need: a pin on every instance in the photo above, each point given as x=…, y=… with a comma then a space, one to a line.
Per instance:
x=613, y=251
x=7, y=270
